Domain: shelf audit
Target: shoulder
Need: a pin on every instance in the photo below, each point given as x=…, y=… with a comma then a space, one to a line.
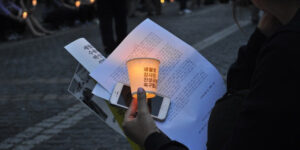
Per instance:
x=285, y=45
x=276, y=74
x=278, y=59
x=286, y=39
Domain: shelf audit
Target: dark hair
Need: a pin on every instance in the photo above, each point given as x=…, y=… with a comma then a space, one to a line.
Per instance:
x=239, y=3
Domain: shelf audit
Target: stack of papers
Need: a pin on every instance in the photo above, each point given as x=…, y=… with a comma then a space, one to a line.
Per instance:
x=185, y=76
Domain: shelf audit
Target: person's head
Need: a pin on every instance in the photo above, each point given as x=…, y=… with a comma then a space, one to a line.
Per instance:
x=283, y=10
x=270, y=5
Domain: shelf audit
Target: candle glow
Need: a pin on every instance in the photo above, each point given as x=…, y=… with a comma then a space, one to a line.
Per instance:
x=24, y=14
x=143, y=72
x=77, y=3
x=34, y=2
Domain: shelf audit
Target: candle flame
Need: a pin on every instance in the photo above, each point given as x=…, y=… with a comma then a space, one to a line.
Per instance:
x=162, y=1
x=34, y=2
x=24, y=14
x=77, y=3
x=92, y=1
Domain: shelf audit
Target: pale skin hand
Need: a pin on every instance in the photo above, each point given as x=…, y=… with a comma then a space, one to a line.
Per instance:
x=269, y=24
x=138, y=126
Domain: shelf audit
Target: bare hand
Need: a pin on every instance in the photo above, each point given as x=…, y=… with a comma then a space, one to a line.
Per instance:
x=269, y=24
x=138, y=126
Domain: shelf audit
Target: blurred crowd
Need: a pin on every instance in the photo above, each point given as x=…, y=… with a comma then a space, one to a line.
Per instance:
x=44, y=17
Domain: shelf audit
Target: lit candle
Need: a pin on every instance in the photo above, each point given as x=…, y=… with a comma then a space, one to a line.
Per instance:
x=34, y=2
x=143, y=72
x=77, y=3
x=92, y=1
x=162, y=1
x=24, y=14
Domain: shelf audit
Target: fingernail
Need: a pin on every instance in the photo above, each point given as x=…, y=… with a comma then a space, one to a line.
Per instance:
x=140, y=90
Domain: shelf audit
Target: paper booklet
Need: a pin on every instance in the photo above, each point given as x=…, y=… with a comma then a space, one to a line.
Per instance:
x=82, y=84
x=185, y=76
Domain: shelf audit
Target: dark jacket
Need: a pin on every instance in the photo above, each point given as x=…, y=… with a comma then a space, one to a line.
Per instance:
x=270, y=113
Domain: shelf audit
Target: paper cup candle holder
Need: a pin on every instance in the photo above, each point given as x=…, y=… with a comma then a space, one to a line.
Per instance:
x=143, y=72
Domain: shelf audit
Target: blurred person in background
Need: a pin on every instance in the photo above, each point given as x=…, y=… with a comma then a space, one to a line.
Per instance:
x=260, y=110
x=32, y=22
x=132, y=6
x=70, y=4
x=87, y=11
x=153, y=7
x=63, y=14
x=209, y=2
x=19, y=12
x=183, y=8
x=12, y=24
x=196, y=3
x=112, y=15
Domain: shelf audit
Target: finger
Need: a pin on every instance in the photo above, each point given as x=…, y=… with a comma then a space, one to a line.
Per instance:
x=131, y=112
x=142, y=103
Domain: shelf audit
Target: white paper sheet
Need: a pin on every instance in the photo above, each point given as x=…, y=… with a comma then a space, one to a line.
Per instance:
x=86, y=54
x=192, y=83
x=89, y=57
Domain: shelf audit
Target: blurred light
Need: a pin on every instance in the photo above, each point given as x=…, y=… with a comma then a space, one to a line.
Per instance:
x=34, y=2
x=172, y=1
x=92, y=1
x=24, y=14
x=162, y=1
x=77, y=3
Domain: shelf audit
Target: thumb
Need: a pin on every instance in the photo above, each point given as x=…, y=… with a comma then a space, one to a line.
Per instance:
x=142, y=102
